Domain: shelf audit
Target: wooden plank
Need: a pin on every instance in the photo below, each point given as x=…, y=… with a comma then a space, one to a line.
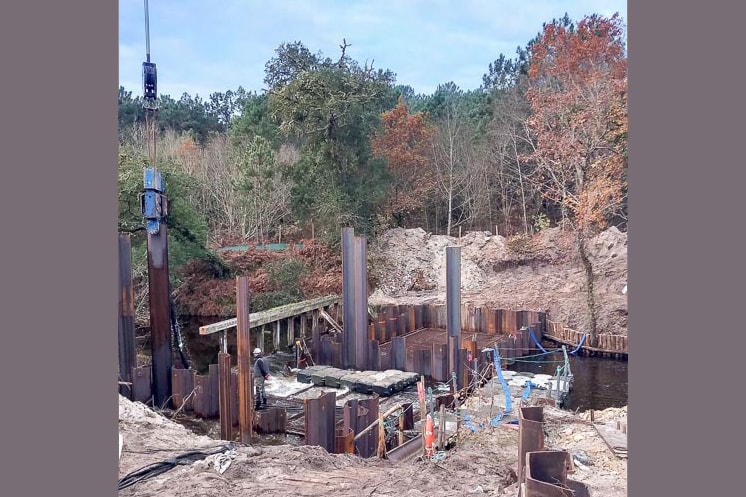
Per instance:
x=291, y=330
x=614, y=439
x=262, y=318
x=330, y=320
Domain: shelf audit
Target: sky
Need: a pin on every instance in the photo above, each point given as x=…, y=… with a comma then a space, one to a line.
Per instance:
x=206, y=46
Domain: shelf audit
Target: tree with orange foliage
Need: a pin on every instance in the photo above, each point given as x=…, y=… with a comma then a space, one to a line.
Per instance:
x=578, y=97
x=403, y=144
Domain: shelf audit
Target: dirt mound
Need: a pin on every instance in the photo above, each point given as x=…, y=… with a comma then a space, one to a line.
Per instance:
x=483, y=462
x=542, y=272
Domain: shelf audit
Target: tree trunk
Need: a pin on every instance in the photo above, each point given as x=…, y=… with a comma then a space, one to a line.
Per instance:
x=592, y=318
x=450, y=210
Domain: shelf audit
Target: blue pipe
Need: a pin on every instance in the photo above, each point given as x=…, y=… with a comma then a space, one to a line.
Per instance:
x=531, y=332
x=498, y=369
x=506, y=389
x=528, y=390
x=582, y=339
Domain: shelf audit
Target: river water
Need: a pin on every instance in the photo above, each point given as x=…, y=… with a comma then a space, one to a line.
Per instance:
x=598, y=382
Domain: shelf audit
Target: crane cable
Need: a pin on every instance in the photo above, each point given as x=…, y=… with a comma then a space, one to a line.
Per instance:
x=151, y=141
x=150, y=106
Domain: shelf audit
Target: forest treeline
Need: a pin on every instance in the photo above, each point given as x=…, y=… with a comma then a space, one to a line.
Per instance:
x=330, y=142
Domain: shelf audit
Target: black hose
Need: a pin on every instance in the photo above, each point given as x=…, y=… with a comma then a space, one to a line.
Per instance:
x=155, y=469
x=176, y=329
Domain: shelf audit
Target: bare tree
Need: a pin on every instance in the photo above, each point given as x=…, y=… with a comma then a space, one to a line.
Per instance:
x=452, y=152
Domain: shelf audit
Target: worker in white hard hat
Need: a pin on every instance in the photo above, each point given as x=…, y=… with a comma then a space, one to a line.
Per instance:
x=261, y=374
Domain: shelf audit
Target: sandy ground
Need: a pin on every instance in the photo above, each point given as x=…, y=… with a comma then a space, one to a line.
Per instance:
x=540, y=273
x=482, y=462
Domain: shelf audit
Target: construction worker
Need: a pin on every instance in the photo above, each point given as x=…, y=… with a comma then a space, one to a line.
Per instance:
x=261, y=374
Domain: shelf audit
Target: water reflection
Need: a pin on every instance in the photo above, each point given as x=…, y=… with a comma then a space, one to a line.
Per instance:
x=598, y=383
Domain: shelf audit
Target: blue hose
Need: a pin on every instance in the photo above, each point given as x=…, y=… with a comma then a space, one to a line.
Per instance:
x=531, y=332
x=498, y=369
x=469, y=424
x=582, y=339
x=528, y=390
x=506, y=389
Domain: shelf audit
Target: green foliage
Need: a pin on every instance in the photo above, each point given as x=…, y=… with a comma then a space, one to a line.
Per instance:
x=286, y=275
x=130, y=112
x=305, y=143
x=188, y=114
x=268, y=300
x=541, y=221
x=255, y=120
x=331, y=109
x=257, y=166
x=285, y=278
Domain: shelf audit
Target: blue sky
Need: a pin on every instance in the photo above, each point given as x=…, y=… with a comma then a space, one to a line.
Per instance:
x=206, y=46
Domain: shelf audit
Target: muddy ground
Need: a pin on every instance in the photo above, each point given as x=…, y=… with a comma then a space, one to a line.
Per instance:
x=481, y=463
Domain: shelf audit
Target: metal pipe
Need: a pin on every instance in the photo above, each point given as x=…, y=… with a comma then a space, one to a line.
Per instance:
x=147, y=31
x=126, y=332
x=361, y=303
x=160, y=316
x=245, y=383
x=348, y=297
x=453, y=291
x=453, y=312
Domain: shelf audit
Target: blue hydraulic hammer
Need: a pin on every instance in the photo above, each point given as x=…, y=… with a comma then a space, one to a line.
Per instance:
x=153, y=201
